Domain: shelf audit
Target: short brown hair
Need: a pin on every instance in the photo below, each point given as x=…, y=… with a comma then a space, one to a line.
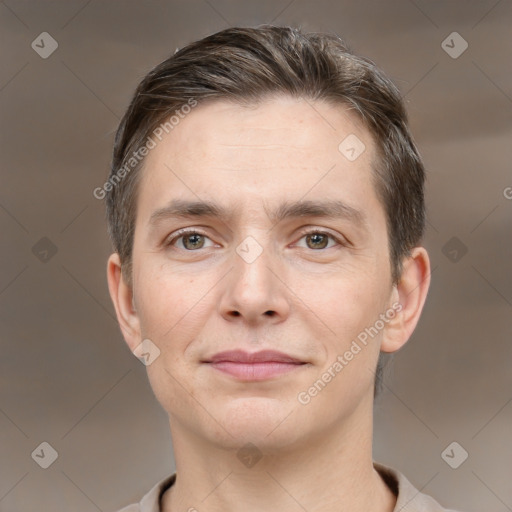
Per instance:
x=246, y=65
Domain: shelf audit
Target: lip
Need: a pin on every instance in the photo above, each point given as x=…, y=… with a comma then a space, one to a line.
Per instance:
x=255, y=366
x=263, y=356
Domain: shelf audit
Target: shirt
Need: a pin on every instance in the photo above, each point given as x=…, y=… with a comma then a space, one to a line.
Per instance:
x=409, y=499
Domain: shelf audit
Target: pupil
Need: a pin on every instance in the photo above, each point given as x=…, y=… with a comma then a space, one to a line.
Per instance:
x=195, y=241
x=318, y=238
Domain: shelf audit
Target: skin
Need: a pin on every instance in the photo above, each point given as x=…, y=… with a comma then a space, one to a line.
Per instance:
x=307, y=297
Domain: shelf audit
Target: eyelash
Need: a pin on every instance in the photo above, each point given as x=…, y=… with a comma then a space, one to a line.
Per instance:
x=339, y=241
x=183, y=232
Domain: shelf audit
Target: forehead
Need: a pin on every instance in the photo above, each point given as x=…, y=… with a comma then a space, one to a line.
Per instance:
x=284, y=126
x=281, y=148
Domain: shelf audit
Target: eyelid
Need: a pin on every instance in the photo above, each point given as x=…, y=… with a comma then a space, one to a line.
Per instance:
x=176, y=235
x=339, y=239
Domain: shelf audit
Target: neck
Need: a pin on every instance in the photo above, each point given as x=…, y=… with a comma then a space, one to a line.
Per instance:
x=327, y=472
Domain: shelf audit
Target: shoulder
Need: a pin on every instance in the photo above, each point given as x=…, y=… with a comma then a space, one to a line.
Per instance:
x=409, y=499
x=134, y=507
x=151, y=501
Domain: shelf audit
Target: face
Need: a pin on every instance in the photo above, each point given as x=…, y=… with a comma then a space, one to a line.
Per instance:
x=259, y=298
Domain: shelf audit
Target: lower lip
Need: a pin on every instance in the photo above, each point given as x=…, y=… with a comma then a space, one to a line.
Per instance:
x=255, y=371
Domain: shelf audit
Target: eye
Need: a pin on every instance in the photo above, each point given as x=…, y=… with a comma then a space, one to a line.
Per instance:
x=317, y=240
x=188, y=240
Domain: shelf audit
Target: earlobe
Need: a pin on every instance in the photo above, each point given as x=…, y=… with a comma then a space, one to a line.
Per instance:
x=411, y=293
x=122, y=297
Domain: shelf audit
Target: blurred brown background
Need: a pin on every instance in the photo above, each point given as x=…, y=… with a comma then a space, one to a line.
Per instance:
x=66, y=376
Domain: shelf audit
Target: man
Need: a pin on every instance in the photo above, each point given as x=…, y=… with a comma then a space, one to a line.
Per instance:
x=266, y=209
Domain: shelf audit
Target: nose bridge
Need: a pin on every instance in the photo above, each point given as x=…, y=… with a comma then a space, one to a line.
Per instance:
x=254, y=290
x=252, y=265
x=253, y=261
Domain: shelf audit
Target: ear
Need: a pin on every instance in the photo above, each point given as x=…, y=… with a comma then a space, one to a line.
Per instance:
x=122, y=297
x=409, y=297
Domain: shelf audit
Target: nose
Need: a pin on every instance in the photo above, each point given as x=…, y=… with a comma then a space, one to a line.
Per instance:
x=255, y=290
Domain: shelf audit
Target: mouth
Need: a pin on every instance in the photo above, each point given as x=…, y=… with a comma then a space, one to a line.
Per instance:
x=258, y=366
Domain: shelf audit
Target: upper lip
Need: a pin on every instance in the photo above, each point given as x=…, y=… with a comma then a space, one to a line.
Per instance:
x=264, y=356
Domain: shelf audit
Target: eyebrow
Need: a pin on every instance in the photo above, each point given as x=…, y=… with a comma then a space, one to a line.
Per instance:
x=329, y=209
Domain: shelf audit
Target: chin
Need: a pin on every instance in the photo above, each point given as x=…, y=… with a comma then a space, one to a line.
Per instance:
x=264, y=422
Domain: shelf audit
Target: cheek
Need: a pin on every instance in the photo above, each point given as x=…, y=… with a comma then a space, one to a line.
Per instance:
x=174, y=308
x=170, y=302
x=341, y=305
x=346, y=313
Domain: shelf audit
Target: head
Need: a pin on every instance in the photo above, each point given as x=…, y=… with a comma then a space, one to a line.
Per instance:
x=251, y=121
